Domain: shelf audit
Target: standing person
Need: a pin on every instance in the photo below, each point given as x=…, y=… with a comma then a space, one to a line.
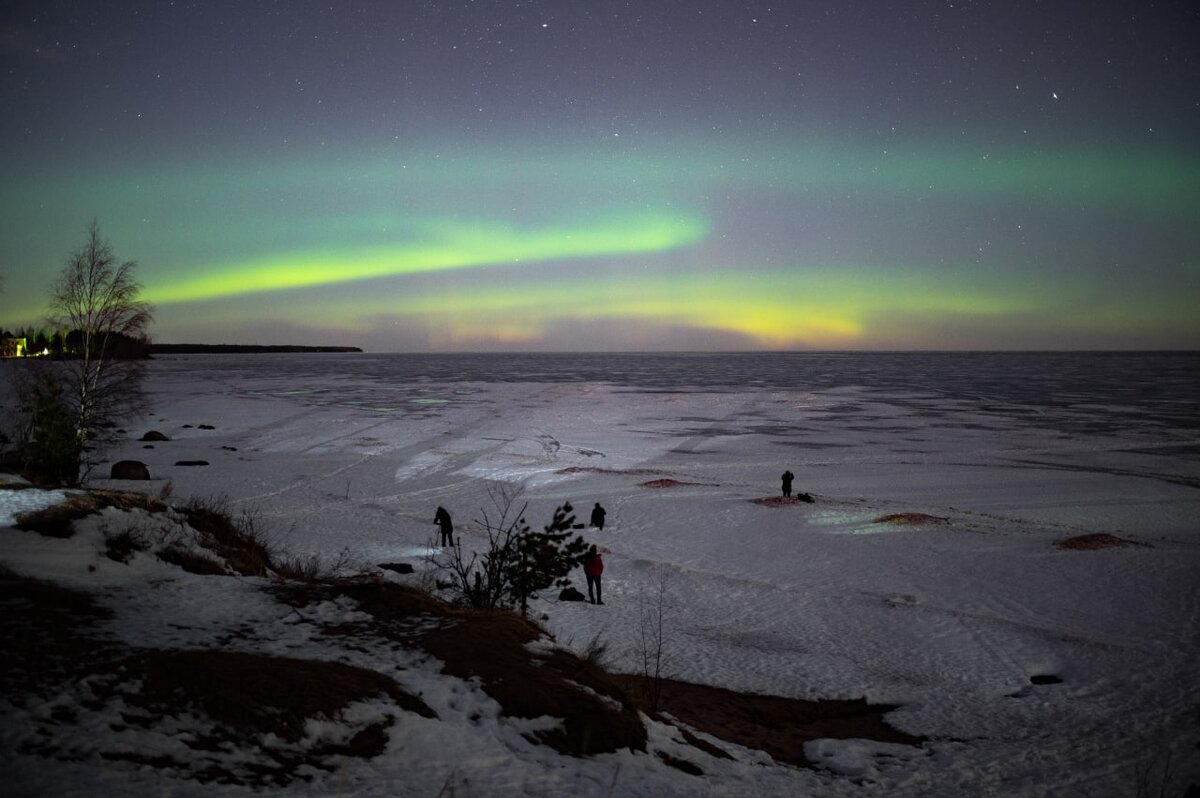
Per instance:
x=788, y=476
x=598, y=517
x=445, y=525
x=593, y=566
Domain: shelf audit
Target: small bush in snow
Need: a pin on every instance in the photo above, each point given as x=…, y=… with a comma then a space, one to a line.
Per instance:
x=120, y=546
x=517, y=562
x=242, y=543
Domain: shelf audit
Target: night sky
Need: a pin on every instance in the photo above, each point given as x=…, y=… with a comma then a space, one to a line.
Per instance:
x=693, y=175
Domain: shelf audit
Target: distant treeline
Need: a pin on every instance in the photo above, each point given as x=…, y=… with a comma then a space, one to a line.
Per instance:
x=30, y=342
x=240, y=349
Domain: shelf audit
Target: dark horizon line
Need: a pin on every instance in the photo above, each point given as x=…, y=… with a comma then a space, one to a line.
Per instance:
x=443, y=353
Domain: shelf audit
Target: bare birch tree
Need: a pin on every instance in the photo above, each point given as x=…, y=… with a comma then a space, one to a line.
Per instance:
x=97, y=301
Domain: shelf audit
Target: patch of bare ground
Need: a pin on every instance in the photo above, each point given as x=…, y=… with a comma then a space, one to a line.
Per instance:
x=53, y=647
x=1099, y=540
x=779, y=726
x=249, y=698
x=784, y=501
x=910, y=519
x=492, y=646
x=617, y=471
x=667, y=482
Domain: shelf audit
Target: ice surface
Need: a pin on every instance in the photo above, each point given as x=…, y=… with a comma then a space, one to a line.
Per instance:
x=951, y=620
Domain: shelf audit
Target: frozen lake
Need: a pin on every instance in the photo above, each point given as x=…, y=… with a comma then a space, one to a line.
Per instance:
x=1110, y=440
x=1033, y=670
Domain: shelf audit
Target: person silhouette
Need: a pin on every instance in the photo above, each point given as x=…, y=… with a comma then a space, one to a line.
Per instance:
x=787, y=478
x=445, y=525
x=598, y=517
x=593, y=567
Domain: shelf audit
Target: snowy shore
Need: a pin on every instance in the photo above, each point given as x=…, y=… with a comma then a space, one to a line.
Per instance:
x=1033, y=669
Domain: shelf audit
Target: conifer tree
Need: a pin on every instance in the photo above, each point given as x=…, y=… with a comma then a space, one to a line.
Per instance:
x=517, y=562
x=543, y=559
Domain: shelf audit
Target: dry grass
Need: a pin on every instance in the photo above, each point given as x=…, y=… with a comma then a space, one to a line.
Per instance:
x=191, y=561
x=59, y=521
x=241, y=543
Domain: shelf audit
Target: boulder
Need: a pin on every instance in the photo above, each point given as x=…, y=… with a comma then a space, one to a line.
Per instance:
x=154, y=435
x=398, y=567
x=129, y=469
x=191, y=462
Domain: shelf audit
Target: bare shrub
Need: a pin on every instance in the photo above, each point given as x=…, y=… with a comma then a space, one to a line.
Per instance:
x=517, y=561
x=654, y=615
x=120, y=546
x=311, y=568
x=595, y=653
x=242, y=543
x=126, y=500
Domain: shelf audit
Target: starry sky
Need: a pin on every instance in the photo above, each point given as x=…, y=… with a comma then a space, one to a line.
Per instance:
x=571, y=176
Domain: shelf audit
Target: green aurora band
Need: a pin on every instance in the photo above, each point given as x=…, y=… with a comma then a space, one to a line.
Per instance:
x=454, y=246
x=551, y=236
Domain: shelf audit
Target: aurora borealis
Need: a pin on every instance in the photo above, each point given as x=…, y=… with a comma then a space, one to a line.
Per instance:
x=612, y=176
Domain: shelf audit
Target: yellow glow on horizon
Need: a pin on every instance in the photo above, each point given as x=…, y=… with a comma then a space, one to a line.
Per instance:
x=831, y=308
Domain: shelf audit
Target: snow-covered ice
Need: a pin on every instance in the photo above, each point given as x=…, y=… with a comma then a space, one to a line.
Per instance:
x=952, y=620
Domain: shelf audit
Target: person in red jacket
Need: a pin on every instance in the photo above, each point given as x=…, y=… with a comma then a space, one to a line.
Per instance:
x=593, y=566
